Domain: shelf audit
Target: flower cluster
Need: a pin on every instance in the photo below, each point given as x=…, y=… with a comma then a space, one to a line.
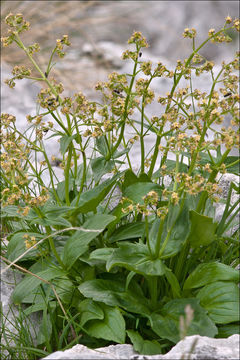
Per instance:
x=16, y=25
x=29, y=240
x=190, y=33
x=60, y=43
x=15, y=154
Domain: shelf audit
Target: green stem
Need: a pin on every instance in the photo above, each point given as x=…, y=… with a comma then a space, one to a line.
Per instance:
x=51, y=178
x=159, y=238
x=142, y=137
x=66, y=174
x=153, y=289
x=50, y=239
x=176, y=172
x=204, y=195
x=125, y=114
x=181, y=263
x=36, y=66
x=158, y=140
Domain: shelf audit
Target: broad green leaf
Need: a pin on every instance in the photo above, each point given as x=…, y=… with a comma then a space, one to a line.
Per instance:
x=101, y=166
x=202, y=229
x=221, y=300
x=89, y=310
x=65, y=289
x=135, y=257
x=64, y=143
x=30, y=283
x=166, y=324
x=101, y=254
x=209, y=273
x=56, y=210
x=128, y=231
x=112, y=327
x=144, y=347
x=51, y=221
x=137, y=191
x=117, y=211
x=101, y=145
x=80, y=171
x=225, y=331
x=39, y=307
x=17, y=247
x=118, y=154
x=171, y=165
x=10, y=211
x=173, y=281
x=129, y=179
x=153, y=235
x=89, y=200
x=61, y=189
x=45, y=330
x=233, y=169
x=113, y=293
x=204, y=158
x=173, y=214
x=175, y=230
x=77, y=244
x=143, y=177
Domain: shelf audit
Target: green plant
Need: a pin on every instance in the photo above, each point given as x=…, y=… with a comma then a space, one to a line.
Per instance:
x=124, y=274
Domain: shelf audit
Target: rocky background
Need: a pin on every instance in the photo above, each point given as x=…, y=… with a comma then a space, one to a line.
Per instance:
x=90, y=23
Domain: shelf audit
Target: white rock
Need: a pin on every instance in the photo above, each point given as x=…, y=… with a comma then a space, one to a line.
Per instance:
x=192, y=348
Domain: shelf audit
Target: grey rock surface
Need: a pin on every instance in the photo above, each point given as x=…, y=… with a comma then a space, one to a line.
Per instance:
x=11, y=320
x=191, y=348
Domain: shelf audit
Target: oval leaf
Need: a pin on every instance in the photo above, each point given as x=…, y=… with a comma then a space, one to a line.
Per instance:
x=137, y=191
x=77, y=244
x=29, y=283
x=128, y=231
x=209, y=273
x=135, y=257
x=166, y=324
x=89, y=200
x=144, y=347
x=112, y=327
x=221, y=300
x=89, y=310
x=114, y=294
x=202, y=229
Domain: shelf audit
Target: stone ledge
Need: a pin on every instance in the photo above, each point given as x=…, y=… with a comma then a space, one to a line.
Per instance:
x=204, y=349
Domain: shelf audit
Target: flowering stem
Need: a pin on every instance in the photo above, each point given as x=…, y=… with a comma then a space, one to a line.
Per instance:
x=19, y=41
x=142, y=137
x=158, y=140
x=159, y=238
x=125, y=114
x=66, y=173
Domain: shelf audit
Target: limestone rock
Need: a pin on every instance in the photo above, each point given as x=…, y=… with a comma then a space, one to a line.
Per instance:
x=192, y=348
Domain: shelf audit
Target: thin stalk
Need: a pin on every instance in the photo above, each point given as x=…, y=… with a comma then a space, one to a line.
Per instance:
x=36, y=65
x=66, y=174
x=125, y=114
x=159, y=238
x=158, y=140
x=147, y=234
x=153, y=289
x=141, y=137
x=204, y=195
